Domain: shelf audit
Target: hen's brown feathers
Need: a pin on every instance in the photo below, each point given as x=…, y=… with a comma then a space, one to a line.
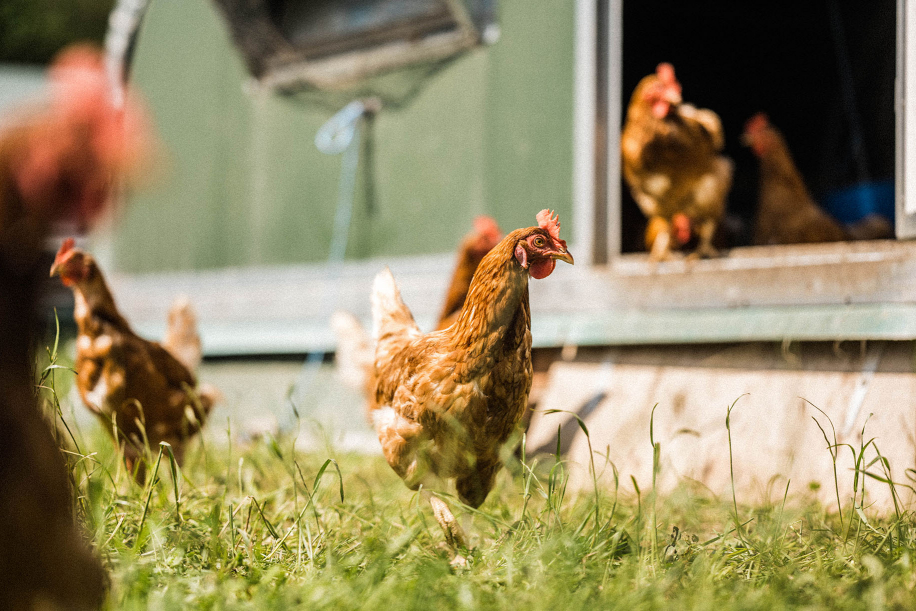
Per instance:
x=447, y=401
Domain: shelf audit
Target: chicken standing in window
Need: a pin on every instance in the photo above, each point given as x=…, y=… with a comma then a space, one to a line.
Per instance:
x=447, y=401
x=786, y=212
x=135, y=386
x=672, y=161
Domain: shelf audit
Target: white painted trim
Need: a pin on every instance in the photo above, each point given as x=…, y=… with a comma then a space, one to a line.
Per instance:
x=905, y=142
x=856, y=290
x=909, y=110
x=614, y=116
x=584, y=129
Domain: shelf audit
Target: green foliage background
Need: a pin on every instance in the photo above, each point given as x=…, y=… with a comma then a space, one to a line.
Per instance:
x=32, y=31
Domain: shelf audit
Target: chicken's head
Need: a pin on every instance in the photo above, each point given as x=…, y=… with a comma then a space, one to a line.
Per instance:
x=663, y=91
x=79, y=144
x=538, y=248
x=74, y=266
x=759, y=134
x=486, y=233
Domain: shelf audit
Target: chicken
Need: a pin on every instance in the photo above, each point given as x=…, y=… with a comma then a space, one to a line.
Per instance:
x=355, y=356
x=58, y=163
x=134, y=385
x=672, y=162
x=445, y=402
x=181, y=336
x=786, y=212
x=485, y=236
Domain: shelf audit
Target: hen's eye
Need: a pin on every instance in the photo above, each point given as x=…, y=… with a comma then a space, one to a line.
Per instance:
x=539, y=242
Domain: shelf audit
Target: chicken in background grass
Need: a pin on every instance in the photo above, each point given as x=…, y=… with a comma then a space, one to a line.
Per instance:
x=354, y=358
x=134, y=385
x=786, y=212
x=447, y=401
x=474, y=247
x=58, y=163
x=355, y=354
x=181, y=336
x=672, y=163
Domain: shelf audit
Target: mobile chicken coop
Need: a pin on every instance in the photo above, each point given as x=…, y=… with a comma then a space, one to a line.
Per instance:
x=243, y=222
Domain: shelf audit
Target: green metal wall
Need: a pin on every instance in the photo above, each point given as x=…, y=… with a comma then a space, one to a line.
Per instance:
x=245, y=185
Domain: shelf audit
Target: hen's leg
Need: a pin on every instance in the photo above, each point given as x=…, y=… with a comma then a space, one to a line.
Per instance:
x=705, y=249
x=454, y=534
x=661, y=246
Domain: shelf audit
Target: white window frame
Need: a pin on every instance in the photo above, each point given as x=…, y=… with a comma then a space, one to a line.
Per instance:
x=905, y=89
x=815, y=292
x=585, y=191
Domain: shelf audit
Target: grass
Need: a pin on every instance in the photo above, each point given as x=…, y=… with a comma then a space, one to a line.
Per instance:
x=262, y=526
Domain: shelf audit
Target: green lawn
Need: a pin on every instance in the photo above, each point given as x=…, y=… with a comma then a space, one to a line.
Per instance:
x=260, y=526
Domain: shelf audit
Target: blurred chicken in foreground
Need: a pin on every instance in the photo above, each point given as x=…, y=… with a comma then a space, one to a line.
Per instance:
x=786, y=212
x=355, y=356
x=672, y=162
x=446, y=402
x=135, y=386
x=58, y=163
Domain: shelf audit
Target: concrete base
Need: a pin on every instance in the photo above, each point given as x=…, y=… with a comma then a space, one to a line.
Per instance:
x=775, y=438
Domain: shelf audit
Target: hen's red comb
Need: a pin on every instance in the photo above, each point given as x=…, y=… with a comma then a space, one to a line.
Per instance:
x=665, y=73
x=65, y=248
x=757, y=123
x=486, y=225
x=549, y=222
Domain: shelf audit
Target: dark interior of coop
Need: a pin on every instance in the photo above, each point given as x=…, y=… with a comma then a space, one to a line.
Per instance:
x=784, y=58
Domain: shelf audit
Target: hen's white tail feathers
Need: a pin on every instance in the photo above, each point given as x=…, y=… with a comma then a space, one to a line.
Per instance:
x=182, y=338
x=390, y=316
x=355, y=356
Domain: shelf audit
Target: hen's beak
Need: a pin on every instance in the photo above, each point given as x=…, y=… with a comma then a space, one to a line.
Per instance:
x=564, y=255
x=55, y=269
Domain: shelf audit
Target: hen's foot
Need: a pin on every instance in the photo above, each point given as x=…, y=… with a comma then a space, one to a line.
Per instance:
x=454, y=534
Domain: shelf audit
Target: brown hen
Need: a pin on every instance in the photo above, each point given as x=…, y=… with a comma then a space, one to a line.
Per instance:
x=135, y=386
x=473, y=249
x=448, y=400
x=672, y=163
x=355, y=354
x=786, y=211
